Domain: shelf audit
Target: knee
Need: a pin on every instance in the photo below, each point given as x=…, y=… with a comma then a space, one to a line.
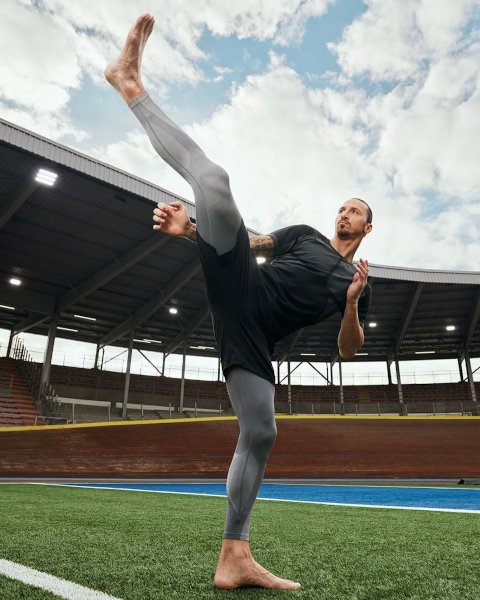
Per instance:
x=214, y=180
x=264, y=437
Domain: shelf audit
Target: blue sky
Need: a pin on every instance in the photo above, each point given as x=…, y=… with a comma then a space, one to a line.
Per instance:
x=304, y=102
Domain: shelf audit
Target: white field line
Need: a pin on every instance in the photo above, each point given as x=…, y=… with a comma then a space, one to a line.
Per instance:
x=50, y=583
x=456, y=510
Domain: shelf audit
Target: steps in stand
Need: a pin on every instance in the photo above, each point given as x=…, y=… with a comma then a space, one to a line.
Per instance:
x=16, y=403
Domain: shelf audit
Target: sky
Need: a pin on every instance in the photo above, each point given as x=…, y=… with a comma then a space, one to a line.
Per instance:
x=305, y=103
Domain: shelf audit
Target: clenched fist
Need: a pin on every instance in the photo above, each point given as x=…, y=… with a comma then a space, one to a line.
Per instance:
x=171, y=218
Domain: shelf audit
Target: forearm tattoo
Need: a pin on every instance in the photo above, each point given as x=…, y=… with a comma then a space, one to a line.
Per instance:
x=263, y=244
x=191, y=232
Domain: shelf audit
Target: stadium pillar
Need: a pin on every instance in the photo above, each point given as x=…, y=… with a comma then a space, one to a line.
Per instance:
x=47, y=359
x=389, y=373
x=289, y=389
x=460, y=358
x=218, y=370
x=10, y=340
x=340, y=376
x=468, y=364
x=97, y=352
x=399, y=382
x=182, y=383
x=278, y=371
x=127, y=376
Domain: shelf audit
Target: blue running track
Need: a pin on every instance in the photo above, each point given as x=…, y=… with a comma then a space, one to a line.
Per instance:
x=419, y=498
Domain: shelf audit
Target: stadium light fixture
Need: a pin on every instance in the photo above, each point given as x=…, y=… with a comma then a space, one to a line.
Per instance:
x=424, y=351
x=372, y=324
x=307, y=354
x=172, y=310
x=362, y=354
x=6, y=306
x=155, y=341
x=450, y=327
x=202, y=347
x=86, y=318
x=67, y=329
x=261, y=260
x=46, y=177
x=15, y=281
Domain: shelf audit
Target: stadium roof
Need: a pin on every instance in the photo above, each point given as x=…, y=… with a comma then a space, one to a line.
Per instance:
x=85, y=246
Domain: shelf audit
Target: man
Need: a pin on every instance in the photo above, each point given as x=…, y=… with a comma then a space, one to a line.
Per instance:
x=309, y=279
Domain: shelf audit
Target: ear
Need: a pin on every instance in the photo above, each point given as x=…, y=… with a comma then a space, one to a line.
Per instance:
x=368, y=228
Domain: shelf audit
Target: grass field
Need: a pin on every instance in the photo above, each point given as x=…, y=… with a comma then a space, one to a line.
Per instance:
x=145, y=546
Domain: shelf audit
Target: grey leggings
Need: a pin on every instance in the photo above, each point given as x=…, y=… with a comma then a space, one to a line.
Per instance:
x=218, y=221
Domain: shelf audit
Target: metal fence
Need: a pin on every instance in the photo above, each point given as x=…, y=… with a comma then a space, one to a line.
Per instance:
x=378, y=408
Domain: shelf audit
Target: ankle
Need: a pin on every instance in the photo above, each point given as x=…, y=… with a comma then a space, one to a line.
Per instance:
x=237, y=549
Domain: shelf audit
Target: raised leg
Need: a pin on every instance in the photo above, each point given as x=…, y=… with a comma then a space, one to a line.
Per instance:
x=218, y=218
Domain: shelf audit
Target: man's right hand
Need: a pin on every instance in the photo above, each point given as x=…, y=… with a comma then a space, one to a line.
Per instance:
x=171, y=218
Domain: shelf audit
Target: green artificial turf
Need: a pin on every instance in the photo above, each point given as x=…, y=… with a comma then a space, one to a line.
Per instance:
x=148, y=546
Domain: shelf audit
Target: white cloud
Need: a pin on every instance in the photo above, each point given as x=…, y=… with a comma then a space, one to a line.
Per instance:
x=392, y=40
x=31, y=73
x=282, y=20
x=50, y=46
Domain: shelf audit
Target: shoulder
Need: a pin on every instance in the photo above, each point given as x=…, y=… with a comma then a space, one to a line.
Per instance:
x=285, y=239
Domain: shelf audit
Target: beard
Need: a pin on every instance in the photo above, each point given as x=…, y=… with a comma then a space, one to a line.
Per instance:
x=343, y=234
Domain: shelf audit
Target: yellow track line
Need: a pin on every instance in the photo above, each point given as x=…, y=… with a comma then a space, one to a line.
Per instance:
x=205, y=419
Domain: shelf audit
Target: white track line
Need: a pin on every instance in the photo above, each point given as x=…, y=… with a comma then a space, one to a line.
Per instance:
x=50, y=583
x=428, y=508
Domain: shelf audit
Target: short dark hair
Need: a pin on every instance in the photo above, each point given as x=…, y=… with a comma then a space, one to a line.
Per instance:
x=369, y=210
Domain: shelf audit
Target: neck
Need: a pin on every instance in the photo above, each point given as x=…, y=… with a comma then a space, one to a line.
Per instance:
x=346, y=248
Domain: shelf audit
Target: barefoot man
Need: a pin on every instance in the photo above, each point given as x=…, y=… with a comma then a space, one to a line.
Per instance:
x=309, y=279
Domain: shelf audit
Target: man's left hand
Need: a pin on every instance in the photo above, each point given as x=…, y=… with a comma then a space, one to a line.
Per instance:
x=359, y=281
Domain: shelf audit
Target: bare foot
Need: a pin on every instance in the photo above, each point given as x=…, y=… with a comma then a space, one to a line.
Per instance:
x=124, y=74
x=237, y=568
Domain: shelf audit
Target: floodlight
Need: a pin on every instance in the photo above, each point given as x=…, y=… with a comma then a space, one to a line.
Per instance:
x=46, y=177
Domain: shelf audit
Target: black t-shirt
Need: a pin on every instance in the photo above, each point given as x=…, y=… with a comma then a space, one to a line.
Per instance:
x=308, y=280
x=254, y=306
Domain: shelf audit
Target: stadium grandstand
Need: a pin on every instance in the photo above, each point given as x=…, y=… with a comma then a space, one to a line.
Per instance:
x=79, y=260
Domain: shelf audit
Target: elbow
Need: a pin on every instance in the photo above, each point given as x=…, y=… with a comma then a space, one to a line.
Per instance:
x=347, y=354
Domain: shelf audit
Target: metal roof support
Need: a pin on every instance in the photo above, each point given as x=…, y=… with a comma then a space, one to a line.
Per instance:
x=148, y=360
x=218, y=369
x=127, y=375
x=399, y=382
x=278, y=371
x=47, y=359
x=99, y=279
x=405, y=322
x=10, y=206
x=321, y=374
x=473, y=320
x=335, y=356
x=182, y=383
x=163, y=364
x=194, y=324
x=294, y=369
x=471, y=384
x=161, y=298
